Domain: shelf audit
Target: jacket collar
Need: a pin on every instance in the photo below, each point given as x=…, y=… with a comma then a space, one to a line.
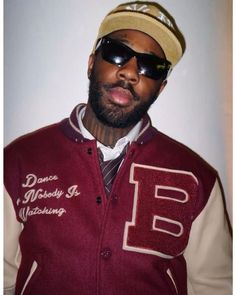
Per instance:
x=70, y=128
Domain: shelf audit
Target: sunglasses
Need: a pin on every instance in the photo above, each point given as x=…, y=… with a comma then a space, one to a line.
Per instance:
x=117, y=53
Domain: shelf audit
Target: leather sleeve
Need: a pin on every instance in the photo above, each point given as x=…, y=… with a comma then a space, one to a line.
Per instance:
x=12, y=255
x=209, y=252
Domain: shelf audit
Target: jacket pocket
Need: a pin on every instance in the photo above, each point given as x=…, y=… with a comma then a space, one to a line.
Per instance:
x=33, y=269
x=169, y=273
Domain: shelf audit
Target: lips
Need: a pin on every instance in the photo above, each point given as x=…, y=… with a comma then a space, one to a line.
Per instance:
x=120, y=96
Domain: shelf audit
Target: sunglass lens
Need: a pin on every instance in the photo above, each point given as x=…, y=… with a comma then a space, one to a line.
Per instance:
x=114, y=53
x=152, y=67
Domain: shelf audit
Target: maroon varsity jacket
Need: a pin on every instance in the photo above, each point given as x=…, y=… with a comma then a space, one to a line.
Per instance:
x=164, y=209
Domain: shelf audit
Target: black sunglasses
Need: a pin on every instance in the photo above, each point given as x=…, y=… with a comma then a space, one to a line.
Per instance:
x=117, y=53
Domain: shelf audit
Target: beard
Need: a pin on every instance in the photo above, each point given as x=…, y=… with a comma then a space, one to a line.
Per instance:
x=113, y=115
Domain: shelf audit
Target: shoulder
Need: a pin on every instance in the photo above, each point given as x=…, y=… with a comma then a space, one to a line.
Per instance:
x=36, y=138
x=169, y=154
x=180, y=154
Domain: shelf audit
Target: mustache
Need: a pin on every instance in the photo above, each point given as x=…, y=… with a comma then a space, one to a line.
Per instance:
x=123, y=85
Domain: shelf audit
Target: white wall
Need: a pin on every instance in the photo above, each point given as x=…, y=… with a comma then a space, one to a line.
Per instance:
x=46, y=47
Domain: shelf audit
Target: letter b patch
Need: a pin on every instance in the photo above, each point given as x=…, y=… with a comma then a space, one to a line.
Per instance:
x=162, y=210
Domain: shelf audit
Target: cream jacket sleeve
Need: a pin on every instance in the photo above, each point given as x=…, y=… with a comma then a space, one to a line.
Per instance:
x=208, y=254
x=12, y=255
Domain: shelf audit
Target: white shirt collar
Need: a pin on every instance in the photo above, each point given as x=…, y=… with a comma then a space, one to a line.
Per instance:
x=108, y=152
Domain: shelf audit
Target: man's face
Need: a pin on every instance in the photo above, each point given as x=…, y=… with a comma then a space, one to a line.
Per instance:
x=120, y=96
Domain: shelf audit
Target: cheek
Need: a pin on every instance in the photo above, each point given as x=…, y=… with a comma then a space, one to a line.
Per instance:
x=104, y=71
x=147, y=88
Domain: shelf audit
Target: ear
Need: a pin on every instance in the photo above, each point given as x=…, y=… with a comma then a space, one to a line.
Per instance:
x=163, y=85
x=90, y=64
x=161, y=88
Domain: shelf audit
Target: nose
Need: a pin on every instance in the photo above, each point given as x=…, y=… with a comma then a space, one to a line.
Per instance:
x=129, y=72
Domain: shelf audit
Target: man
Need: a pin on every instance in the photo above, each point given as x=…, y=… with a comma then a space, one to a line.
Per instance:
x=103, y=203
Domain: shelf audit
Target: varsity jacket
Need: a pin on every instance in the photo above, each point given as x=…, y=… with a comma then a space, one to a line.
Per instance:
x=162, y=229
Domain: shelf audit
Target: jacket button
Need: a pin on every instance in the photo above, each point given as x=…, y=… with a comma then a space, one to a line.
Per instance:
x=106, y=253
x=114, y=199
x=90, y=151
x=98, y=200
